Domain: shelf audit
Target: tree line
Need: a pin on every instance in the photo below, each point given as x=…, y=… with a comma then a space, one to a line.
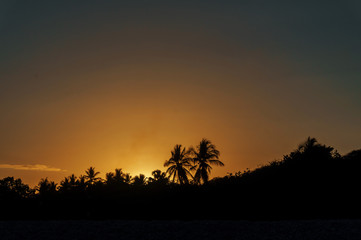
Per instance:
x=313, y=181
x=185, y=166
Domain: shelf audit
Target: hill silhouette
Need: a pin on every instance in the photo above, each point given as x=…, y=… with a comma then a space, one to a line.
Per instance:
x=313, y=181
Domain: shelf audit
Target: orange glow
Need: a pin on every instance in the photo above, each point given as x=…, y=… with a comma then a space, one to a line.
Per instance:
x=120, y=123
x=119, y=90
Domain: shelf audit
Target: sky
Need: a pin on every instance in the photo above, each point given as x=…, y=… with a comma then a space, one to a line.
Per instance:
x=116, y=84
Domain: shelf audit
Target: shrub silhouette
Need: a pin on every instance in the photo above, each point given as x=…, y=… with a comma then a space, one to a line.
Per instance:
x=12, y=188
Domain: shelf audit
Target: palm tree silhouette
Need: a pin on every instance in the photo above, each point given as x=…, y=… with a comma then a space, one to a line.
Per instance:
x=159, y=177
x=178, y=165
x=127, y=178
x=109, y=178
x=46, y=187
x=91, y=176
x=205, y=155
x=64, y=184
x=72, y=180
x=117, y=177
x=140, y=180
x=81, y=183
x=68, y=183
x=310, y=143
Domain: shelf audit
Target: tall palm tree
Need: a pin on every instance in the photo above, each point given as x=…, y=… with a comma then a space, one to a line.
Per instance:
x=91, y=176
x=205, y=155
x=178, y=165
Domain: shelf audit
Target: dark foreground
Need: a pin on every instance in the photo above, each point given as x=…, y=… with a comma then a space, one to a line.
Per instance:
x=312, y=229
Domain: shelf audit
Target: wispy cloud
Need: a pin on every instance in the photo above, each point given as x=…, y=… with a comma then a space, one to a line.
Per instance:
x=33, y=167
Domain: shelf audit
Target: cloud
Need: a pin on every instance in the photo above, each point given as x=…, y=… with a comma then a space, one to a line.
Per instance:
x=33, y=167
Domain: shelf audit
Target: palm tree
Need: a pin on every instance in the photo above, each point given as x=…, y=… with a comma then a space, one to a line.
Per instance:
x=81, y=183
x=117, y=177
x=159, y=177
x=140, y=180
x=178, y=165
x=68, y=183
x=310, y=143
x=72, y=180
x=205, y=155
x=127, y=178
x=91, y=176
x=46, y=187
x=109, y=178
x=313, y=152
x=64, y=185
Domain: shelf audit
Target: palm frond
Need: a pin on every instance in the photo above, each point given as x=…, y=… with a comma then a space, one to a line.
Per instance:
x=194, y=167
x=216, y=162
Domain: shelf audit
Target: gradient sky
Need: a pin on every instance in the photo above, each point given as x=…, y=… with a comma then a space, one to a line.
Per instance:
x=116, y=84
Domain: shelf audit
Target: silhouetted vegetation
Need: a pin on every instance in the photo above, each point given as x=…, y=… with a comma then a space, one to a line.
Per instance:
x=205, y=155
x=179, y=165
x=313, y=181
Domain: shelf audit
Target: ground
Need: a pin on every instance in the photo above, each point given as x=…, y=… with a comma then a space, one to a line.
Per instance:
x=174, y=230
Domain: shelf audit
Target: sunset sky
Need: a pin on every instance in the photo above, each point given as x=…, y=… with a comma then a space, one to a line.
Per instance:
x=116, y=84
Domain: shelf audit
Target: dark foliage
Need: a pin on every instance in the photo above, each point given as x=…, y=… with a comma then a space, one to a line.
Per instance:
x=15, y=198
x=205, y=155
x=179, y=165
x=313, y=181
